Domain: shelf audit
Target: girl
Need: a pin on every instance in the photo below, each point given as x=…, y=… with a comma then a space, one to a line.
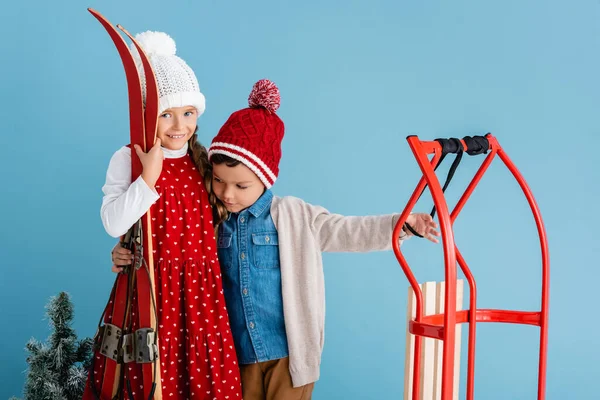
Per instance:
x=270, y=253
x=197, y=359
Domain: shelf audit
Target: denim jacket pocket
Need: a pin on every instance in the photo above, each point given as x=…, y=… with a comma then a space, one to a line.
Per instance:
x=224, y=250
x=266, y=249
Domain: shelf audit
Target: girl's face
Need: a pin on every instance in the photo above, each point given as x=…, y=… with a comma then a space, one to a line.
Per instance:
x=237, y=187
x=176, y=126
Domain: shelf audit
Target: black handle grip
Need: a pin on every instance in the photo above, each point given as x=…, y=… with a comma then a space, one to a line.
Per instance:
x=475, y=145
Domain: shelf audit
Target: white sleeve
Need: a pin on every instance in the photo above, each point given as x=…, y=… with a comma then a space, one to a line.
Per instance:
x=124, y=202
x=338, y=233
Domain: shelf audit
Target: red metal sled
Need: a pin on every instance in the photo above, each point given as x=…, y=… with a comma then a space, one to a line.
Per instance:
x=442, y=326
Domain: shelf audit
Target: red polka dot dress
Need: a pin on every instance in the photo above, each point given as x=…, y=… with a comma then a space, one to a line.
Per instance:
x=197, y=353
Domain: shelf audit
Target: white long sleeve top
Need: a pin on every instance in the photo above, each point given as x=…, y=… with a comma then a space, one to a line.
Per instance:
x=125, y=202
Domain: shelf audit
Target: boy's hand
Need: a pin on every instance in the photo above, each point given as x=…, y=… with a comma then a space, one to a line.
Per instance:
x=424, y=225
x=120, y=257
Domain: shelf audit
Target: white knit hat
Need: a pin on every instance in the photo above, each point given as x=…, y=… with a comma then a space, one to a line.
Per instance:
x=177, y=83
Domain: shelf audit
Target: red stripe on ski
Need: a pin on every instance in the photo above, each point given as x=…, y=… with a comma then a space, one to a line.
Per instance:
x=117, y=317
x=151, y=111
x=97, y=378
x=134, y=87
x=145, y=284
x=138, y=136
x=112, y=370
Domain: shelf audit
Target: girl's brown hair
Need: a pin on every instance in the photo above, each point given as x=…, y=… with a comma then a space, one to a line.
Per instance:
x=200, y=157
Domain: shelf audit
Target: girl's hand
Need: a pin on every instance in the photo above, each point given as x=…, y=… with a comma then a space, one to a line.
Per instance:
x=120, y=257
x=152, y=163
x=424, y=225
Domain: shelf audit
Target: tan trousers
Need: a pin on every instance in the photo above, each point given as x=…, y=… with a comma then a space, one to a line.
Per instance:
x=271, y=380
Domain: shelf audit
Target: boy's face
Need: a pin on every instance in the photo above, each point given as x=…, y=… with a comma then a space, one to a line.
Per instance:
x=176, y=126
x=237, y=187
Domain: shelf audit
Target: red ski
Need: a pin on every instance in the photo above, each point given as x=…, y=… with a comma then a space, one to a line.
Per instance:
x=116, y=343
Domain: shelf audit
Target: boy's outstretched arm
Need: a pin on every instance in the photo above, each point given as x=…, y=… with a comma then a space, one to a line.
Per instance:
x=338, y=233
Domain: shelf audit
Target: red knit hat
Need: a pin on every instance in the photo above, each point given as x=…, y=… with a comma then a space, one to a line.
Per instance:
x=253, y=135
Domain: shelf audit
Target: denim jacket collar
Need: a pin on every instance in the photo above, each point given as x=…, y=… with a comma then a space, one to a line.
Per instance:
x=261, y=204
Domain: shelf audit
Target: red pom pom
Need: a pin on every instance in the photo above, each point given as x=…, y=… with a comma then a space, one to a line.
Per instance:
x=265, y=94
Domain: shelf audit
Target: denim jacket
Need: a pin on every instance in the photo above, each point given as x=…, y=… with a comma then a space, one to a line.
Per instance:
x=249, y=256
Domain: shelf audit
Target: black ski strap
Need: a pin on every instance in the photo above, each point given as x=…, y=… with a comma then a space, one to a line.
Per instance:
x=475, y=145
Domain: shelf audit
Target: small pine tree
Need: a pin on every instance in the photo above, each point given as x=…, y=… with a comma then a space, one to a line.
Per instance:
x=58, y=368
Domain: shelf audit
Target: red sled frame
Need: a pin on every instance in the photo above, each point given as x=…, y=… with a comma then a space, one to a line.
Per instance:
x=442, y=326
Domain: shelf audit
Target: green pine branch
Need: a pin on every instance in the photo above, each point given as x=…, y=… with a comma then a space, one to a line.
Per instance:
x=58, y=368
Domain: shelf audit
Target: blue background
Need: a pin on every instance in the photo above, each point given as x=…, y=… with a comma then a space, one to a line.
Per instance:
x=356, y=78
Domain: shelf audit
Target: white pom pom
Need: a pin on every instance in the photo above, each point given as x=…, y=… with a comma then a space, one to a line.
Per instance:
x=156, y=43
